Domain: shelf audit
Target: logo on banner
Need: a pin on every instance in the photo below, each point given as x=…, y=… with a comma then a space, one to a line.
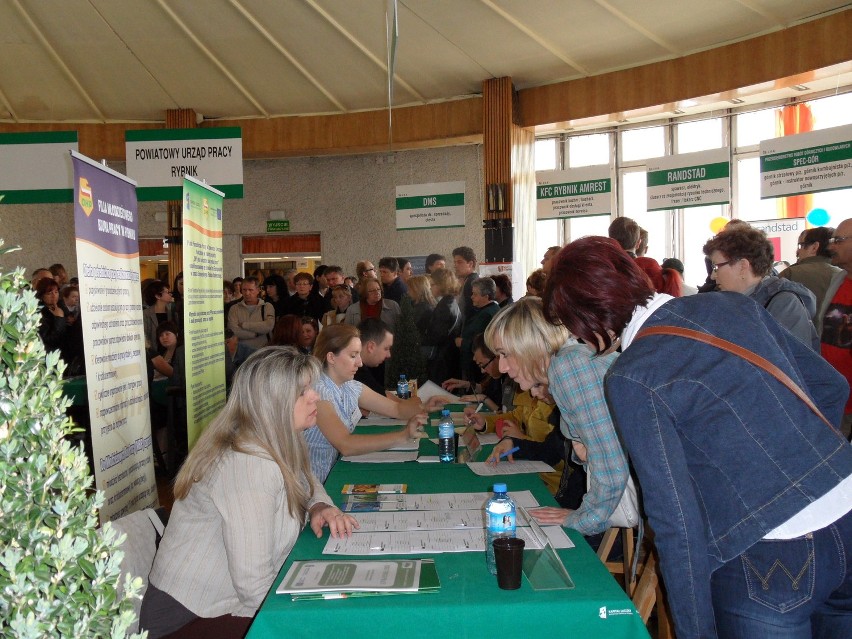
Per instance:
x=205, y=206
x=187, y=207
x=86, y=199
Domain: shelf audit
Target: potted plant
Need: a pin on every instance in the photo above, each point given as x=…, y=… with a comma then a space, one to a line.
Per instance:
x=58, y=571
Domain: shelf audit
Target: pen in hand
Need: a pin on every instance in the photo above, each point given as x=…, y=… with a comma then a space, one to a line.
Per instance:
x=509, y=452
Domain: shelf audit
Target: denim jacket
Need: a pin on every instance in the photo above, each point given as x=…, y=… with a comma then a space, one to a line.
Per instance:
x=724, y=453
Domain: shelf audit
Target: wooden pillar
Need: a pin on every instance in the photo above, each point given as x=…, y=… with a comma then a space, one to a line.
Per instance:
x=508, y=173
x=177, y=119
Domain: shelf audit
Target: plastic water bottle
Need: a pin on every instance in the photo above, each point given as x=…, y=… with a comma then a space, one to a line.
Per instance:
x=446, y=438
x=402, y=389
x=499, y=522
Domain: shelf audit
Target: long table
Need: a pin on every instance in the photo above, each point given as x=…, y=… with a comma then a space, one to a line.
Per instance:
x=469, y=603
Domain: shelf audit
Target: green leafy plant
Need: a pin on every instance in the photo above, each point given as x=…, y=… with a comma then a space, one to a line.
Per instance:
x=58, y=572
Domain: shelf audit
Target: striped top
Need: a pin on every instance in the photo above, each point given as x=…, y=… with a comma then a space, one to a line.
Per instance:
x=344, y=398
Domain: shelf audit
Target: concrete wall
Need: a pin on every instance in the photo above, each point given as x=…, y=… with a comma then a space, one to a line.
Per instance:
x=349, y=200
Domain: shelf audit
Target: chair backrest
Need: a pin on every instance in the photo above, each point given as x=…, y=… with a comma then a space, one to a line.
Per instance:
x=144, y=529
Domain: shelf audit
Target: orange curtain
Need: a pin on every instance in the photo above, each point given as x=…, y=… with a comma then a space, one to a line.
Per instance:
x=790, y=120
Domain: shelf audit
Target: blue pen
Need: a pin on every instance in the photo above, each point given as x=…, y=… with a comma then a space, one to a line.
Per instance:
x=510, y=451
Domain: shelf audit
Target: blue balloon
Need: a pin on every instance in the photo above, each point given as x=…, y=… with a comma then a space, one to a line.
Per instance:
x=818, y=217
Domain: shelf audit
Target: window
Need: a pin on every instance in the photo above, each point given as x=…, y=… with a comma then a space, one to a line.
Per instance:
x=639, y=144
x=588, y=150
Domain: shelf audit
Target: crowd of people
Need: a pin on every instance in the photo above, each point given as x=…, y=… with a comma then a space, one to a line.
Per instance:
x=726, y=405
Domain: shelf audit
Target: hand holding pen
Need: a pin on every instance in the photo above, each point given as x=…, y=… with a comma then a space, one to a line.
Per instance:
x=504, y=448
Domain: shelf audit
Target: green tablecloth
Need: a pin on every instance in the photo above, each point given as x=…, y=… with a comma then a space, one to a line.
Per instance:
x=469, y=603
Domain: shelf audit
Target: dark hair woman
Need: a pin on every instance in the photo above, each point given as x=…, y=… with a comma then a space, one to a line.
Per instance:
x=53, y=325
x=738, y=475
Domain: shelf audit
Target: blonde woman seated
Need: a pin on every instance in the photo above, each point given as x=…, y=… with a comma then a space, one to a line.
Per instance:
x=536, y=353
x=241, y=499
x=342, y=398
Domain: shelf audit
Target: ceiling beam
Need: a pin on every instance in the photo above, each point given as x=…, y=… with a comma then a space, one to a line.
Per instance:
x=363, y=48
x=57, y=59
x=630, y=22
x=776, y=20
x=290, y=57
x=541, y=41
x=210, y=55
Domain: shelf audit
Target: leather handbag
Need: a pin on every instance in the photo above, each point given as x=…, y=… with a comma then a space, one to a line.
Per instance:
x=746, y=354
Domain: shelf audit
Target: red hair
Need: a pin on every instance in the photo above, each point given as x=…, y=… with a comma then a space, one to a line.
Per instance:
x=665, y=280
x=593, y=289
x=287, y=331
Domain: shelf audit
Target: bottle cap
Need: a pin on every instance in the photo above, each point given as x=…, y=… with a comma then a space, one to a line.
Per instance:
x=445, y=412
x=499, y=488
x=402, y=377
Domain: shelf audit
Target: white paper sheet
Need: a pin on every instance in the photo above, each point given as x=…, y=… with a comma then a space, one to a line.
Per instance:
x=432, y=541
x=430, y=501
x=382, y=457
x=519, y=467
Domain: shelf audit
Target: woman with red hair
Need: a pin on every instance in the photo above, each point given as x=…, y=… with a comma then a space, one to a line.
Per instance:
x=748, y=490
x=665, y=280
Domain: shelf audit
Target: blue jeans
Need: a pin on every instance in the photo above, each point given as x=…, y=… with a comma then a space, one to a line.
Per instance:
x=789, y=589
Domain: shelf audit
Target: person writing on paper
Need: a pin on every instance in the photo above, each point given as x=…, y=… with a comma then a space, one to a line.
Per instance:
x=748, y=490
x=536, y=353
x=338, y=347
x=241, y=500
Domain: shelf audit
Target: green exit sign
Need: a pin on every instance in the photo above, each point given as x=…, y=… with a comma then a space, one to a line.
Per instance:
x=276, y=226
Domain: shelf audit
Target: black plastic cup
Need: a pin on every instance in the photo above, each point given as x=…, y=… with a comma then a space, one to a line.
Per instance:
x=509, y=556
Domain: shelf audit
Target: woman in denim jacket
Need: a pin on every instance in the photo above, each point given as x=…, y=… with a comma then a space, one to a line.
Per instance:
x=748, y=491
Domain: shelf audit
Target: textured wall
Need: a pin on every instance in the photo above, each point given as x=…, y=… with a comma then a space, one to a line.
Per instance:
x=348, y=199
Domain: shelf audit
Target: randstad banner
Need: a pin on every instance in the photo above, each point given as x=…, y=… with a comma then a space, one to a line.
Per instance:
x=806, y=163
x=689, y=179
x=203, y=313
x=574, y=193
x=106, y=226
x=35, y=168
x=159, y=159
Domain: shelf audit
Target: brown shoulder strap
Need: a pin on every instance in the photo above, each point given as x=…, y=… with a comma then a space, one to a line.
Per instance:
x=749, y=356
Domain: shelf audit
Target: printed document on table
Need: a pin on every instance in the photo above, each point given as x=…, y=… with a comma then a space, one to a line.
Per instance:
x=432, y=541
x=430, y=389
x=380, y=420
x=382, y=457
x=402, y=520
x=519, y=467
x=431, y=501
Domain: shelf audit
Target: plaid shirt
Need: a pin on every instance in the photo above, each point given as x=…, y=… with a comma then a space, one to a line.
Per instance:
x=576, y=382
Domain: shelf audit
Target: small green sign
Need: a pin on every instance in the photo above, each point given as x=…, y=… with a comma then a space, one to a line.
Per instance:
x=276, y=226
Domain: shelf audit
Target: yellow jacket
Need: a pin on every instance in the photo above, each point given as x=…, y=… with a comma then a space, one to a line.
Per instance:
x=530, y=414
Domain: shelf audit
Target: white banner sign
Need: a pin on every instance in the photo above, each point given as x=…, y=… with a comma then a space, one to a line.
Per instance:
x=574, y=193
x=806, y=163
x=159, y=159
x=36, y=167
x=430, y=206
x=689, y=179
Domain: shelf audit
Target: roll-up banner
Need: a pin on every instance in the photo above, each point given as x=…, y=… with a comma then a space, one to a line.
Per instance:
x=203, y=311
x=106, y=225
